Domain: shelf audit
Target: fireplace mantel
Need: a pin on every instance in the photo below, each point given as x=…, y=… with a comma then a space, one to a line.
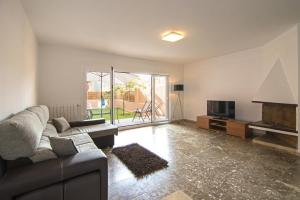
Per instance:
x=291, y=104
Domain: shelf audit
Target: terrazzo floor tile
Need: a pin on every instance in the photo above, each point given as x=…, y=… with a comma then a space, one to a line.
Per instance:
x=204, y=165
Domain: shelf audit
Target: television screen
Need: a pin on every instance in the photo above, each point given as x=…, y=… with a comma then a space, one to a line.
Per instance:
x=223, y=109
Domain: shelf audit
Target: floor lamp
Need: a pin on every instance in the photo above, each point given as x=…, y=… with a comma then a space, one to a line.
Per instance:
x=178, y=88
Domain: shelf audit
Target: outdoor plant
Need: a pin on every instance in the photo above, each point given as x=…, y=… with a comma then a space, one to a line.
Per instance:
x=132, y=85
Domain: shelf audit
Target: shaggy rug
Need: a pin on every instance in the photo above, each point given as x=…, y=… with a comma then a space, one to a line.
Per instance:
x=139, y=161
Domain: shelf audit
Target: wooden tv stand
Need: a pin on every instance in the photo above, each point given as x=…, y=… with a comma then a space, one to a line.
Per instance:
x=230, y=126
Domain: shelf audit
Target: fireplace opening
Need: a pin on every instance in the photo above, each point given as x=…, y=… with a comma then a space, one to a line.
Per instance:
x=279, y=121
x=279, y=116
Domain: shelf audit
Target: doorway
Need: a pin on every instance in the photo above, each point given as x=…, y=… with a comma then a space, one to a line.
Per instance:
x=124, y=98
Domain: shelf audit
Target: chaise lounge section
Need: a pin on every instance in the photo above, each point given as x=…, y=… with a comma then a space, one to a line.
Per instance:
x=101, y=132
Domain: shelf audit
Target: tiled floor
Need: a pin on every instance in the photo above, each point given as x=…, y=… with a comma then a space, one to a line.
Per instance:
x=205, y=165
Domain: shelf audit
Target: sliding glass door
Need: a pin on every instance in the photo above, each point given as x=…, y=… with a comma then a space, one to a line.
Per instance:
x=98, y=95
x=124, y=98
x=132, y=98
x=160, y=98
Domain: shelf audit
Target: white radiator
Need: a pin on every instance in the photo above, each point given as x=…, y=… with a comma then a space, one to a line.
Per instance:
x=71, y=112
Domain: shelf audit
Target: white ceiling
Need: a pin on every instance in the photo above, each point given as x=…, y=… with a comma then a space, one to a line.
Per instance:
x=133, y=27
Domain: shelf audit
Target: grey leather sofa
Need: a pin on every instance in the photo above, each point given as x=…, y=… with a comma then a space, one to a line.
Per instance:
x=31, y=171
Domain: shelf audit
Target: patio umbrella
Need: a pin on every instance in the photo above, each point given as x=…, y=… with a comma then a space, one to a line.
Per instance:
x=104, y=85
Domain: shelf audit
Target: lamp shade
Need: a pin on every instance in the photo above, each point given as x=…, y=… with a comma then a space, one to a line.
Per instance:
x=178, y=87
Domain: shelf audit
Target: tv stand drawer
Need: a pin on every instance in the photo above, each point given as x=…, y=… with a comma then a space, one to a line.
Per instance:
x=237, y=128
x=203, y=122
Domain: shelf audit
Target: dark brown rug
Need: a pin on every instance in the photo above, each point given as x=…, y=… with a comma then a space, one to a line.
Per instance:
x=139, y=161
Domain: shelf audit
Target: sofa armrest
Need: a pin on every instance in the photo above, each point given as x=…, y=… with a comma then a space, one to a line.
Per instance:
x=28, y=178
x=87, y=122
x=87, y=162
x=2, y=167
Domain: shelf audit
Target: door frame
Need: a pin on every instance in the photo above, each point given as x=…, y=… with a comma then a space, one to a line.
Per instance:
x=167, y=97
x=112, y=84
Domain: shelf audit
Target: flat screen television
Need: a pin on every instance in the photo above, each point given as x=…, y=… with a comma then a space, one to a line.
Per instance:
x=221, y=109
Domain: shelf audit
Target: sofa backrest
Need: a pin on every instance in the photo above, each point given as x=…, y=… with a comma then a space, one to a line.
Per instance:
x=20, y=135
x=42, y=112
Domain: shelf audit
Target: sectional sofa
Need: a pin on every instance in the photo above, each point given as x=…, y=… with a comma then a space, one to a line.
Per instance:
x=30, y=170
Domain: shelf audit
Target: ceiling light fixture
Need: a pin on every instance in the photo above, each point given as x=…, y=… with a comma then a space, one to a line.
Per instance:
x=172, y=36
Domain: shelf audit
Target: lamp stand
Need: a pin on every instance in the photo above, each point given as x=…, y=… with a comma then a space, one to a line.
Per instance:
x=178, y=100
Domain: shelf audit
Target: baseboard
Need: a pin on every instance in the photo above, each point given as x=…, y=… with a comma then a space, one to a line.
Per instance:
x=122, y=128
x=189, y=120
x=183, y=120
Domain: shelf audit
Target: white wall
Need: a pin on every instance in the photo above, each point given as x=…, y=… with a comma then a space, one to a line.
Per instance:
x=17, y=59
x=238, y=76
x=231, y=77
x=62, y=71
x=284, y=48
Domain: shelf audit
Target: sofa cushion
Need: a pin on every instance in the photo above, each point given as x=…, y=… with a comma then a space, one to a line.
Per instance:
x=50, y=131
x=82, y=141
x=80, y=138
x=43, y=151
x=63, y=146
x=86, y=147
x=71, y=131
x=94, y=131
x=42, y=112
x=20, y=135
x=61, y=124
x=101, y=129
